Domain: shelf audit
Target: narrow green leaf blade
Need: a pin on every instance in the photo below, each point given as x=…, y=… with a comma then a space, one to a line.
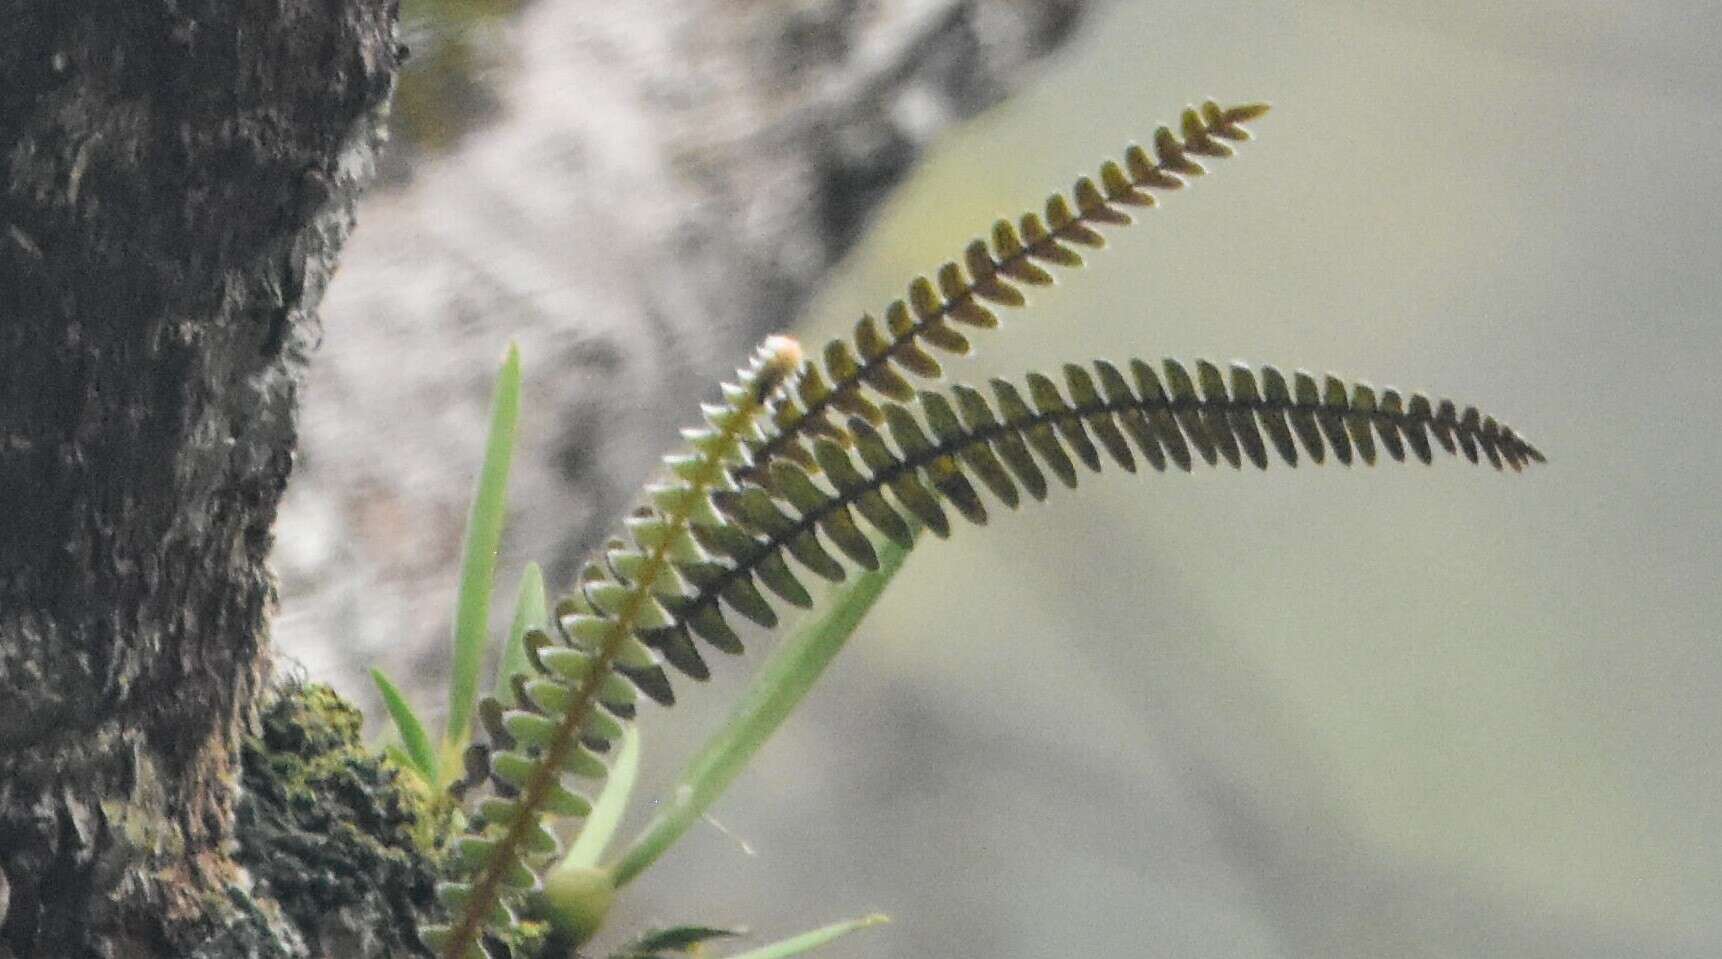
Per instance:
x=413, y=737
x=531, y=611
x=478, y=561
x=677, y=939
x=404, y=760
x=782, y=682
x=594, y=837
x=809, y=941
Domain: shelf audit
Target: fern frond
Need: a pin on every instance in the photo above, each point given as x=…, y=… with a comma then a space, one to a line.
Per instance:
x=587, y=683
x=851, y=380
x=938, y=448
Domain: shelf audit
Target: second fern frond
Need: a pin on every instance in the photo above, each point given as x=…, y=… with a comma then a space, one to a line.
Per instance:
x=937, y=444
x=852, y=379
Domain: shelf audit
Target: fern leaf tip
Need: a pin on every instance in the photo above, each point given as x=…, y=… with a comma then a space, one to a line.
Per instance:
x=780, y=354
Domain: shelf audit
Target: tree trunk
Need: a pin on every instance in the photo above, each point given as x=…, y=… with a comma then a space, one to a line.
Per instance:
x=176, y=179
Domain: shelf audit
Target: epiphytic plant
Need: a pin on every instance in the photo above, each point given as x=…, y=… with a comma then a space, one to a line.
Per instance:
x=778, y=484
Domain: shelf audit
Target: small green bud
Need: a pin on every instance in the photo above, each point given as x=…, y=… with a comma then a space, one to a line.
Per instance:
x=576, y=901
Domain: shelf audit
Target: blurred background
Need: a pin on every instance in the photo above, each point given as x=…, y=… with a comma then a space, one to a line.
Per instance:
x=1405, y=711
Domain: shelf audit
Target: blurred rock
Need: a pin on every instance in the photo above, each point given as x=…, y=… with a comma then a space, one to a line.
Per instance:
x=664, y=184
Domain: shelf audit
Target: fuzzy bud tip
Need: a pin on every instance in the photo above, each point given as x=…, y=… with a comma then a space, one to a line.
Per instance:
x=779, y=358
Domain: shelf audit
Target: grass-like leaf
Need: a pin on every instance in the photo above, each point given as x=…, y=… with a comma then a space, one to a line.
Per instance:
x=531, y=611
x=612, y=804
x=402, y=759
x=781, y=685
x=679, y=939
x=809, y=941
x=478, y=554
x=417, y=745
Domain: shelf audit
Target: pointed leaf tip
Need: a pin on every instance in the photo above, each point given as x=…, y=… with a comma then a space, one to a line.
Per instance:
x=483, y=537
x=416, y=743
x=809, y=941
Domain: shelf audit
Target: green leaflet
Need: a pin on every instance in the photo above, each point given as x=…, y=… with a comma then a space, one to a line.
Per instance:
x=478, y=553
x=688, y=940
x=682, y=940
x=531, y=612
x=417, y=748
x=809, y=941
x=612, y=804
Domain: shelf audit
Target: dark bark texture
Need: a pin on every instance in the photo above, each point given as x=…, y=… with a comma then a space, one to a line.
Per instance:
x=176, y=178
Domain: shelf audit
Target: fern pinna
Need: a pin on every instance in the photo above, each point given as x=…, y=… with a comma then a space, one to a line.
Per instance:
x=775, y=476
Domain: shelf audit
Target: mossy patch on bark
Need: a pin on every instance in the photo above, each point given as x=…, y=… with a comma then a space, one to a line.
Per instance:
x=330, y=833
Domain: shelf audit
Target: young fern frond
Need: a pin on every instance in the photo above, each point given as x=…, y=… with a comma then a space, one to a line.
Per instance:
x=573, y=710
x=850, y=381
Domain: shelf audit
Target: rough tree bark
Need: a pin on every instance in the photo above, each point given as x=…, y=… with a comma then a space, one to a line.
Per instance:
x=176, y=179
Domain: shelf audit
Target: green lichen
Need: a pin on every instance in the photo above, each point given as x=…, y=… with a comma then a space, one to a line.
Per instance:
x=330, y=833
